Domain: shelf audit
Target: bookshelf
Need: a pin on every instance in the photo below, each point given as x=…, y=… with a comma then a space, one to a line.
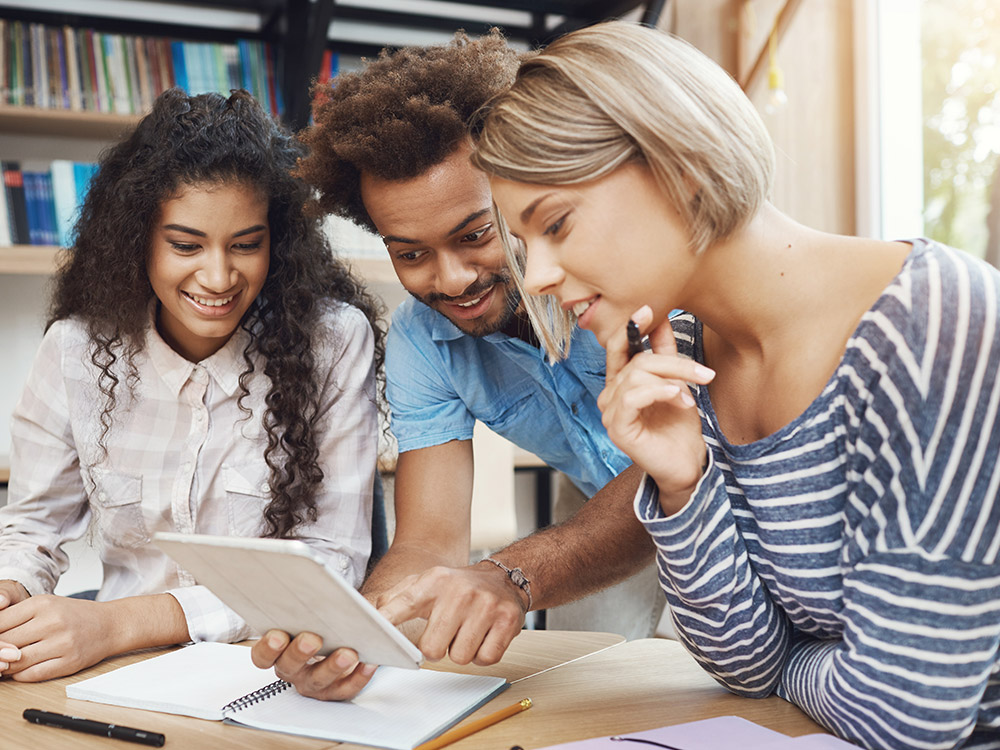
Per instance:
x=99, y=128
x=64, y=123
x=302, y=30
x=40, y=260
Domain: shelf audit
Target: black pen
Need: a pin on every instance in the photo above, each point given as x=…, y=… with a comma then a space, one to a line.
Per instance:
x=75, y=723
x=636, y=341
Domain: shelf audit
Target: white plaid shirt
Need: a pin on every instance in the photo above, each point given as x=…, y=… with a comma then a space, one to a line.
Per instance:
x=181, y=457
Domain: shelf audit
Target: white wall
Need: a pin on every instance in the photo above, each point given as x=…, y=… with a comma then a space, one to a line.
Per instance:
x=23, y=303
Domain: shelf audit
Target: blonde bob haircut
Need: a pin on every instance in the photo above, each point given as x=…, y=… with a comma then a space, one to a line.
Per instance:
x=619, y=92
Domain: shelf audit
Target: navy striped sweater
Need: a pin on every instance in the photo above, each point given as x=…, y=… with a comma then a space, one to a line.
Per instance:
x=849, y=561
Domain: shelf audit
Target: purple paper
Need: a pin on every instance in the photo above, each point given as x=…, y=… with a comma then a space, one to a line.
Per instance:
x=708, y=734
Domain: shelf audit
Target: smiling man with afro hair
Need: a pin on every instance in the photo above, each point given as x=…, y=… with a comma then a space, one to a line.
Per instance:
x=390, y=151
x=400, y=115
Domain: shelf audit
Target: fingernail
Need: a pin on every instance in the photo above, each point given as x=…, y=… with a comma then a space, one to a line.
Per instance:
x=4, y=601
x=275, y=641
x=308, y=646
x=687, y=398
x=344, y=660
x=705, y=373
x=3, y=665
x=10, y=654
x=368, y=670
x=670, y=390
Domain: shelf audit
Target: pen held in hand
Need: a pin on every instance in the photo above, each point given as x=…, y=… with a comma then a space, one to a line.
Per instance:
x=636, y=341
x=76, y=724
x=460, y=732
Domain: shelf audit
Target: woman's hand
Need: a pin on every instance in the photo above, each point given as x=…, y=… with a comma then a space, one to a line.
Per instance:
x=650, y=413
x=57, y=636
x=11, y=592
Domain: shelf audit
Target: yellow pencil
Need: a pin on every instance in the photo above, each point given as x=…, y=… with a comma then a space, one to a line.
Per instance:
x=460, y=732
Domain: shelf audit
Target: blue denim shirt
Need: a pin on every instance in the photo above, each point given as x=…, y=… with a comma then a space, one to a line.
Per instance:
x=440, y=381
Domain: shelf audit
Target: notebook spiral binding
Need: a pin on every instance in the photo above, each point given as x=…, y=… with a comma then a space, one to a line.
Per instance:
x=261, y=694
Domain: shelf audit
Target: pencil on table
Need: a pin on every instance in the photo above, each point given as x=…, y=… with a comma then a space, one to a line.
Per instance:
x=459, y=732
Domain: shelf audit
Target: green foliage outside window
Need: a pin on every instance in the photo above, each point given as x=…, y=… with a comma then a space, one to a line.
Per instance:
x=961, y=110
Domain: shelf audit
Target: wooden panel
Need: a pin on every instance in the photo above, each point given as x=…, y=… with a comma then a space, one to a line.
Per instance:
x=814, y=132
x=33, y=121
x=28, y=259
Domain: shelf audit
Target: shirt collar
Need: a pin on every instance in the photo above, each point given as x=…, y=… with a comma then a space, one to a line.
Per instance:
x=225, y=366
x=443, y=329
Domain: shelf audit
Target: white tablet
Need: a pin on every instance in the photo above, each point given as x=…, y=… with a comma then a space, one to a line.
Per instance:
x=283, y=584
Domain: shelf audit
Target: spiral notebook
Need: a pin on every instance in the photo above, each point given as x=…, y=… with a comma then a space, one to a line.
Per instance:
x=399, y=709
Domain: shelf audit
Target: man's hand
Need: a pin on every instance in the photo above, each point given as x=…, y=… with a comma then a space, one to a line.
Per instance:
x=337, y=677
x=472, y=613
x=55, y=636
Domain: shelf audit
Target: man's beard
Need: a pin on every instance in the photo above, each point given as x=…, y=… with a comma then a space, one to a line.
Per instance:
x=479, y=327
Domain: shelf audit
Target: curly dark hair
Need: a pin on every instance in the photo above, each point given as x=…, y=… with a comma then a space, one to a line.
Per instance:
x=210, y=138
x=402, y=114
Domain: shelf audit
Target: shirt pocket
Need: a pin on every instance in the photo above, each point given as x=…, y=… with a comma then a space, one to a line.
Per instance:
x=116, y=503
x=247, y=495
x=505, y=415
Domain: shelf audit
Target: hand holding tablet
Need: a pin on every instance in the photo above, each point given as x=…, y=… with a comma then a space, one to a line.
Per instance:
x=282, y=584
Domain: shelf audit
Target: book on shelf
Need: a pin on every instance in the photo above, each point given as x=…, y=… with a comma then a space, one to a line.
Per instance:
x=5, y=236
x=59, y=67
x=31, y=201
x=41, y=202
x=17, y=206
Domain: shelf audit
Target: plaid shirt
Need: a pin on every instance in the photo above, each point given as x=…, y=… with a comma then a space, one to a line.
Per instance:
x=181, y=456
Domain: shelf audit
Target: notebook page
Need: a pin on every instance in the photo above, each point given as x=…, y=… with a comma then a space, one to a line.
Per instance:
x=398, y=709
x=193, y=681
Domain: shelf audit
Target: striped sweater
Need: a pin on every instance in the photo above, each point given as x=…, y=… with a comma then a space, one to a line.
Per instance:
x=849, y=561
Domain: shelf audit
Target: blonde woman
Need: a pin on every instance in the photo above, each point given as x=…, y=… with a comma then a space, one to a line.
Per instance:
x=819, y=427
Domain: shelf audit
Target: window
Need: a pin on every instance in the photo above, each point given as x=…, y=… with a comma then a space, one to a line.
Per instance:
x=960, y=47
x=928, y=105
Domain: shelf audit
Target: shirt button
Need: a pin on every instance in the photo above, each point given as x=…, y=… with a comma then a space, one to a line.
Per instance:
x=344, y=565
x=574, y=408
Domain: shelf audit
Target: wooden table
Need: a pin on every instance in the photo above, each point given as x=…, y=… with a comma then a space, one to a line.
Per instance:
x=531, y=652
x=630, y=687
x=582, y=684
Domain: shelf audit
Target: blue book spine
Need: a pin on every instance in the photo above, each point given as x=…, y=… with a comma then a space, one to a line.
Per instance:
x=47, y=208
x=246, y=72
x=180, y=69
x=31, y=198
x=192, y=62
x=64, y=198
x=83, y=173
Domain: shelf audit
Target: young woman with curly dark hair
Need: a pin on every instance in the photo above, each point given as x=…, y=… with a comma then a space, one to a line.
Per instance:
x=207, y=367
